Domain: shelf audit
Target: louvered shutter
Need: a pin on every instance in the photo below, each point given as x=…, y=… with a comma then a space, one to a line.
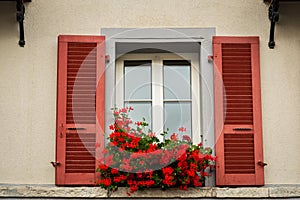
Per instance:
x=80, y=108
x=238, y=121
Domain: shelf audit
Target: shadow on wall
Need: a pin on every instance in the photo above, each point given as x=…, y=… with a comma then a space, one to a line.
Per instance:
x=9, y=26
x=288, y=25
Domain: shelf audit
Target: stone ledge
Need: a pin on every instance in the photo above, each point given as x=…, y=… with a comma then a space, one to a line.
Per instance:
x=288, y=191
x=52, y=191
x=242, y=192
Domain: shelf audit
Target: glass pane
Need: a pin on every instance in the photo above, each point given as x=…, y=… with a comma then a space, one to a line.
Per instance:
x=141, y=110
x=177, y=81
x=137, y=82
x=178, y=115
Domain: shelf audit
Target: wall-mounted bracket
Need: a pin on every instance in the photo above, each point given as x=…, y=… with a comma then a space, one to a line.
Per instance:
x=273, y=17
x=20, y=18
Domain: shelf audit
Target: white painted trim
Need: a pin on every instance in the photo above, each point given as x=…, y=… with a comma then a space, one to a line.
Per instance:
x=201, y=36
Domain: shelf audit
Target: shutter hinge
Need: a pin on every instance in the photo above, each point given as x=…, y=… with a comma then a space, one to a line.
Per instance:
x=210, y=58
x=55, y=164
x=107, y=58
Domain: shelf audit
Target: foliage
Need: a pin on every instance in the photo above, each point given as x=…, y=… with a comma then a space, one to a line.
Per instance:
x=137, y=159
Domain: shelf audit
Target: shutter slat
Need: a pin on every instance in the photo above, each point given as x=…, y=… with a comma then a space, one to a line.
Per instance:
x=81, y=82
x=80, y=147
x=237, y=84
x=230, y=147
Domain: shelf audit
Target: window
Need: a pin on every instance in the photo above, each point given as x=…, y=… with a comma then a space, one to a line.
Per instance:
x=160, y=85
x=163, y=88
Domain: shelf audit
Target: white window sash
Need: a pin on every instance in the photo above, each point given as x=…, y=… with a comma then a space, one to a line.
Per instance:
x=157, y=88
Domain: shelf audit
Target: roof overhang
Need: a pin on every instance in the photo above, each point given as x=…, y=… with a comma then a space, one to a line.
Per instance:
x=20, y=18
x=274, y=17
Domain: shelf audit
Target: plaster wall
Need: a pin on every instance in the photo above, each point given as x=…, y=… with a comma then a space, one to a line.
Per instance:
x=28, y=75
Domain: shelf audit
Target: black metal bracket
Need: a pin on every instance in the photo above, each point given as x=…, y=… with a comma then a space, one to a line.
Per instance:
x=20, y=18
x=55, y=164
x=273, y=17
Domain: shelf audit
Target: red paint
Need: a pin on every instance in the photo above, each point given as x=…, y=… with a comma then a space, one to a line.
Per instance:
x=80, y=108
x=238, y=121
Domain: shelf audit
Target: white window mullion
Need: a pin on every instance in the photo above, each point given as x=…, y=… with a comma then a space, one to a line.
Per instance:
x=157, y=96
x=196, y=104
x=119, y=83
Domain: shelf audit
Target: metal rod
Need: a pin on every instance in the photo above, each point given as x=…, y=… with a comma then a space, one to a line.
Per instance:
x=271, y=38
x=20, y=19
x=22, y=40
x=274, y=17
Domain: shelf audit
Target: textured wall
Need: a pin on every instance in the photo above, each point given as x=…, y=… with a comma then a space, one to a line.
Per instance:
x=28, y=75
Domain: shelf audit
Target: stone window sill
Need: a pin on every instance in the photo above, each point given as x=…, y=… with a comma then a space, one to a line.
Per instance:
x=51, y=191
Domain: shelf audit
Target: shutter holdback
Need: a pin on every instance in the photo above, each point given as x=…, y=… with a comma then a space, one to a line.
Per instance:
x=55, y=164
x=260, y=163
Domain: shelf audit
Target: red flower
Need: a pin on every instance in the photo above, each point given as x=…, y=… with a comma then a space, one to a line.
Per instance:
x=123, y=110
x=191, y=172
x=169, y=180
x=164, y=160
x=151, y=134
x=142, y=162
x=106, y=182
x=138, y=123
x=133, y=188
x=114, y=171
x=167, y=170
x=197, y=182
x=112, y=127
x=186, y=138
x=109, y=160
x=193, y=166
x=127, y=167
x=105, y=151
x=181, y=129
x=116, y=113
x=174, y=137
x=183, y=165
x=152, y=147
x=117, y=179
x=183, y=187
x=103, y=167
x=131, y=148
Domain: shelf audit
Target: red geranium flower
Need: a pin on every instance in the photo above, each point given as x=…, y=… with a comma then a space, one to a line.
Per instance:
x=174, y=137
x=167, y=170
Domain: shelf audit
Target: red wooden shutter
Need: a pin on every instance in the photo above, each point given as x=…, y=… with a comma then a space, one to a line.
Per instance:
x=80, y=108
x=238, y=121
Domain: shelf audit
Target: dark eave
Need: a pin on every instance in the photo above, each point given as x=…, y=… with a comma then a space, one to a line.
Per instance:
x=17, y=0
x=20, y=18
x=274, y=17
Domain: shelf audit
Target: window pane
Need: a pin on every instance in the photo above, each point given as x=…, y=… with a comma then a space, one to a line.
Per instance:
x=177, y=81
x=178, y=114
x=137, y=82
x=141, y=110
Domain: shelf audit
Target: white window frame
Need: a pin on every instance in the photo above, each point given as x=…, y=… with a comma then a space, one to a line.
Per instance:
x=157, y=89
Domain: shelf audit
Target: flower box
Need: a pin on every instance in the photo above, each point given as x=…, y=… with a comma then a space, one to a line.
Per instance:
x=135, y=158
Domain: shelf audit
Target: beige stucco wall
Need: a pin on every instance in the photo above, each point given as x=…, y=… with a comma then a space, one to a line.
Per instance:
x=28, y=75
